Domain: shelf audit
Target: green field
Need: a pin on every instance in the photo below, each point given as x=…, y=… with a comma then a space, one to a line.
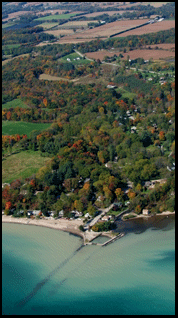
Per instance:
x=22, y=165
x=73, y=56
x=19, y=127
x=10, y=46
x=8, y=24
x=125, y=93
x=56, y=17
x=14, y=103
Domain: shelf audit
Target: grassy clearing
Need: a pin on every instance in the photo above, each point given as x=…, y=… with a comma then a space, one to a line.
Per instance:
x=125, y=93
x=14, y=103
x=10, y=46
x=56, y=16
x=22, y=165
x=73, y=57
x=19, y=127
x=8, y=24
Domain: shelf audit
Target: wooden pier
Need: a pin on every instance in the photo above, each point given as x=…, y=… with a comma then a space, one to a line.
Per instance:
x=113, y=239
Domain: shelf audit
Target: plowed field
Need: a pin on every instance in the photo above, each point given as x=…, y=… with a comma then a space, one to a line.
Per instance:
x=149, y=28
x=146, y=54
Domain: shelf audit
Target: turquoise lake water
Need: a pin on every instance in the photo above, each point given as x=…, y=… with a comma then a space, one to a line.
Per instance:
x=47, y=272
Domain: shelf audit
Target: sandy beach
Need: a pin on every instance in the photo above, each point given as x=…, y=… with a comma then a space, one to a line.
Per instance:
x=71, y=226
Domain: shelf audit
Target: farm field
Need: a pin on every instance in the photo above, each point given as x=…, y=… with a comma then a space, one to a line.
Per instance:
x=14, y=15
x=48, y=77
x=147, y=54
x=108, y=29
x=164, y=46
x=150, y=28
x=8, y=24
x=15, y=57
x=47, y=25
x=50, y=11
x=10, y=46
x=128, y=4
x=143, y=53
x=56, y=16
x=155, y=4
x=100, y=54
x=95, y=14
x=14, y=103
x=22, y=165
x=19, y=127
x=70, y=39
x=78, y=23
x=59, y=32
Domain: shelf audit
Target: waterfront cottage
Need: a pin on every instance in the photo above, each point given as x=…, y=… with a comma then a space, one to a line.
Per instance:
x=77, y=213
x=61, y=213
x=145, y=212
x=51, y=213
x=106, y=218
x=36, y=212
x=87, y=215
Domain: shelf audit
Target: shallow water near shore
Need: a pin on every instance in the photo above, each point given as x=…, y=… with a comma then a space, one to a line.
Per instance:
x=49, y=272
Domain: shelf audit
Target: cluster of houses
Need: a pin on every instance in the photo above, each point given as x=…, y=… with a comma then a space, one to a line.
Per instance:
x=156, y=19
x=69, y=60
x=151, y=184
x=75, y=214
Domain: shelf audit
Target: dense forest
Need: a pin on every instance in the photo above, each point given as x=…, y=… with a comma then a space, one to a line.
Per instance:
x=98, y=140
x=90, y=127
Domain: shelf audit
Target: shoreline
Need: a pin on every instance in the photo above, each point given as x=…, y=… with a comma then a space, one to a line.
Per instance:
x=62, y=224
x=138, y=216
x=72, y=226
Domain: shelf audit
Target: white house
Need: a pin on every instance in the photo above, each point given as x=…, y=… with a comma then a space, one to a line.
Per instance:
x=36, y=212
x=61, y=213
x=77, y=213
x=87, y=215
x=106, y=218
x=51, y=213
x=145, y=212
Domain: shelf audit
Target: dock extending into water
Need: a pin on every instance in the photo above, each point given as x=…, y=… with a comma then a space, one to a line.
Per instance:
x=111, y=240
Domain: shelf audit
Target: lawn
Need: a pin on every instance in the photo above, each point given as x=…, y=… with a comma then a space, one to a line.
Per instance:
x=22, y=165
x=73, y=56
x=14, y=103
x=19, y=127
x=56, y=17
